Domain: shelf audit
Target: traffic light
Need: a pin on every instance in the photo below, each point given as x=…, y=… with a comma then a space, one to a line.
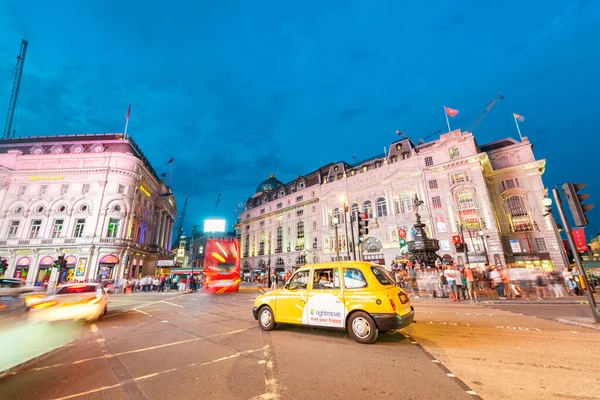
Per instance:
x=574, y=200
x=362, y=223
x=58, y=263
x=459, y=246
x=3, y=265
x=402, y=237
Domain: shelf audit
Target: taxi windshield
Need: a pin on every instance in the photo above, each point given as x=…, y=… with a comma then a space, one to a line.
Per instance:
x=382, y=275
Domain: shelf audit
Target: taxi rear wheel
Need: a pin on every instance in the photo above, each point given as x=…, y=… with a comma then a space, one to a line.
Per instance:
x=362, y=328
x=266, y=320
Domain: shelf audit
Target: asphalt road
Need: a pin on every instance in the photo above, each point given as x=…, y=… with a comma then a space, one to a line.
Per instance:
x=202, y=346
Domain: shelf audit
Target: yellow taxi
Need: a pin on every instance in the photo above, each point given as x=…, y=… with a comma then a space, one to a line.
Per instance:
x=358, y=296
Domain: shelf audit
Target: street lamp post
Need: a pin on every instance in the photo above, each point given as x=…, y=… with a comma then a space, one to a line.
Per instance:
x=483, y=237
x=335, y=222
x=269, y=263
x=346, y=224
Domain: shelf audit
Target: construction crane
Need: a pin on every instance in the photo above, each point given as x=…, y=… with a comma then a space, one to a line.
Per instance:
x=216, y=205
x=484, y=112
x=14, y=94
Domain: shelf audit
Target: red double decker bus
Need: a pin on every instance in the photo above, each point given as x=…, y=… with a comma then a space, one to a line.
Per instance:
x=222, y=265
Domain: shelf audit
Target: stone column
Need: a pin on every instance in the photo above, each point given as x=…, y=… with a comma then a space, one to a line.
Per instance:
x=158, y=229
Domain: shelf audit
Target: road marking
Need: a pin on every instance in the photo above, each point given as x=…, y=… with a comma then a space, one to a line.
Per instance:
x=164, y=320
x=140, y=378
x=435, y=361
x=160, y=346
x=143, y=312
x=138, y=307
x=451, y=375
x=172, y=304
x=472, y=393
x=94, y=328
x=519, y=328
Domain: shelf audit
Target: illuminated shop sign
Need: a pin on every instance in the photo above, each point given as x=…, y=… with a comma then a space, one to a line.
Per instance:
x=144, y=190
x=46, y=177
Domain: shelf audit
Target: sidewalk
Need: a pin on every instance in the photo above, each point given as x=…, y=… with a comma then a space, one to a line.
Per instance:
x=488, y=296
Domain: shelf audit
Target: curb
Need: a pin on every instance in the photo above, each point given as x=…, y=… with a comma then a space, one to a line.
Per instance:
x=581, y=324
x=533, y=302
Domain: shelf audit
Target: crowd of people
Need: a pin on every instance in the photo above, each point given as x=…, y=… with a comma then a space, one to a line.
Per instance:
x=458, y=282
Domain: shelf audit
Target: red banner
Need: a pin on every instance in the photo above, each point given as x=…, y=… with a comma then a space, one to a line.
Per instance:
x=579, y=238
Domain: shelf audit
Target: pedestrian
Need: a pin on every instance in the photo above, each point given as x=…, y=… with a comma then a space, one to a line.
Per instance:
x=470, y=277
x=496, y=279
x=569, y=281
x=450, y=275
x=459, y=284
x=556, y=285
x=541, y=285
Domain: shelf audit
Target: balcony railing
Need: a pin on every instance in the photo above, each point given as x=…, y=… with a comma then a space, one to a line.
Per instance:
x=79, y=241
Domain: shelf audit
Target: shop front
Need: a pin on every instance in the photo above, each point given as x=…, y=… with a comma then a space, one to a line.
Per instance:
x=22, y=267
x=106, y=267
x=4, y=262
x=69, y=273
x=44, y=271
x=541, y=260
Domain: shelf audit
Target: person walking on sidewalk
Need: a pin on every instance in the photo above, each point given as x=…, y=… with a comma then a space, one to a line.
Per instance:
x=497, y=282
x=470, y=276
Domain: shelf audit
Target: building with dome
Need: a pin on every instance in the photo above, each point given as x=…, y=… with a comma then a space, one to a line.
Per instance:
x=493, y=192
x=93, y=198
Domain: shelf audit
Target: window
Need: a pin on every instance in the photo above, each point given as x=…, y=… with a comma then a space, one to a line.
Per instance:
x=262, y=211
x=382, y=276
x=540, y=244
x=281, y=193
x=336, y=215
x=353, y=278
x=79, y=226
x=121, y=189
x=299, y=198
x=502, y=162
x=43, y=189
x=64, y=189
x=279, y=240
x=314, y=225
x=516, y=206
x=262, y=223
x=354, y=209
x=279, y=205
x=436, y=201
x=454, y=153
x=440, y=224
x=35, y=228
x=301, y=185
x=467, y=212
x=381, y=207
x=368, y=208
x=428, y=161
x=460, y=177
x=22, y=190
x=113, y=228
x=86, y=188
x=57, y=228
x=517, y=182
x=519, y=214
x=324, y=279
x=299, y=280
x=12, y=230
x=300, y=234
x=433, y=184
x=247, y=245
x=314, y=209
x=299, y=213
x=510, y=183
x=405, y=202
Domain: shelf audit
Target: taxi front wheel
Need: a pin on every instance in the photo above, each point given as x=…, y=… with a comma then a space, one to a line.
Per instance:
x=362, y=328
x=266, y=321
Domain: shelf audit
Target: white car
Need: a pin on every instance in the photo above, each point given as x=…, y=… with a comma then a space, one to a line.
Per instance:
x=84, y=301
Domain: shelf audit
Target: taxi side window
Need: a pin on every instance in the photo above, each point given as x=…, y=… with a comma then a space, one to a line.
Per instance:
x=326, y=278
x=354, y=279
x=299, y=280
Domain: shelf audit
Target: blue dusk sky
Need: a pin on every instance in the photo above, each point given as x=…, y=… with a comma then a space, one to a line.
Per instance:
x=237, y=90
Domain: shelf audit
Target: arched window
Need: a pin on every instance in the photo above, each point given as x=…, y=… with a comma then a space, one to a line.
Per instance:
x=301, y=185
x=354, y=209
x=454, y=153
x=406, y=204
x=301, y=260
x=368, y=208
x=279, y=263
x=338, y=215
x=381, y=207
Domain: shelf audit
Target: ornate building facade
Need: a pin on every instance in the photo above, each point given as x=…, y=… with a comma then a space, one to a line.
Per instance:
x=93, y=198
x=490, y=194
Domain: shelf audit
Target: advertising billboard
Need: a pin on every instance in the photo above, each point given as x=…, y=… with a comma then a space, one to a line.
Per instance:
x=214, y=225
